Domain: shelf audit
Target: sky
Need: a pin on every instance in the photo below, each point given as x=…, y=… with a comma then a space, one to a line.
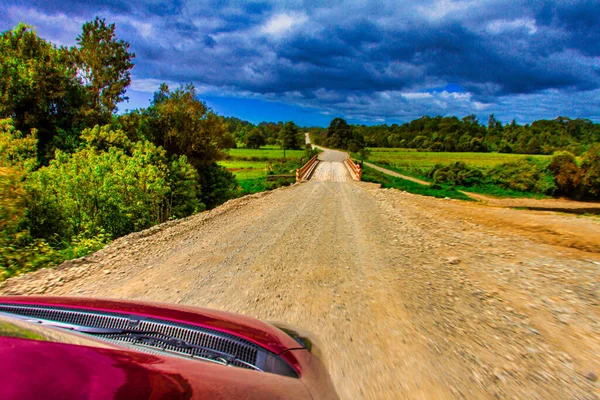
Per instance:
x=369, y=62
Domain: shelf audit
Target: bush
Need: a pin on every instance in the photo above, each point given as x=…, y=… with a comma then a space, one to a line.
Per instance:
x=456, y=174
x=218, y=185
x=590, y=171
x=567, y=175
x=92, y=192
x=524, y=175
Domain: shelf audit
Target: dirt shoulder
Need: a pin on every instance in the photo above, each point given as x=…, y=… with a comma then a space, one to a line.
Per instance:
x=412, y=297
x=558, y=205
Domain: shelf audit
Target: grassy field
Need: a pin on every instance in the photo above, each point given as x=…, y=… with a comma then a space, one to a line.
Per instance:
x=251, y=166
x=246, y=169
x=270, y=152
x=410, y=158
x=387, y=181
x=417, y=163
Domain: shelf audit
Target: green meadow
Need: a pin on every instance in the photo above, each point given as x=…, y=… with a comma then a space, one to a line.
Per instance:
x=265, y=152
x=411, y=158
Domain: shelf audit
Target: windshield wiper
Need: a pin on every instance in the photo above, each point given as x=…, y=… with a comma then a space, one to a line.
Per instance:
x=158, y=339
x=150, y=338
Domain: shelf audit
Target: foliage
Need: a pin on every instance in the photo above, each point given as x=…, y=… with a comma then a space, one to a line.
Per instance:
x=567, y=174
x=524, y=175
x=450, y=134
x=456, y=174
x=16, y=150
x=255, y=139
x=111, y=191
x=18, y=250
x=218, y=185
x=182, y=124
x=38, y=87
x=590, y=171
x=309, y=153
x=340, y=135
x=103, y=65
x=290, y=137
x=252, y=185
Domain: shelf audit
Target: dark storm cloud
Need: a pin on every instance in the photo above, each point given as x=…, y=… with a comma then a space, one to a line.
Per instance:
x=357, y=57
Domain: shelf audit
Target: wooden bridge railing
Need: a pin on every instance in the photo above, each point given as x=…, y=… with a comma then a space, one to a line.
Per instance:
x=355, y=169
x=307, y=169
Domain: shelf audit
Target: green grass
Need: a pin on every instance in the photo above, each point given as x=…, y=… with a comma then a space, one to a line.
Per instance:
x=407, y=159
x=266, y=152
x=251, y=175
x=246, y=169
x=419, y=173
x=253, y=185
x=387, y=181
x=417, y=163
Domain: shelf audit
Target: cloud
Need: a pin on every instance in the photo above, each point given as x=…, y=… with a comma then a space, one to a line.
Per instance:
x=501, y=25
x=362, y=59
x=282, y=23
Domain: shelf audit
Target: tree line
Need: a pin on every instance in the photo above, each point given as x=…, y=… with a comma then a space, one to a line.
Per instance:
x=246, y=134
x=452, y=134
x=73, y=173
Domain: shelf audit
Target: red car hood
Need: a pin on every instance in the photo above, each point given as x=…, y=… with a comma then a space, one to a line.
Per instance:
x=32, y=369
x=253, y=330
x=48, y=362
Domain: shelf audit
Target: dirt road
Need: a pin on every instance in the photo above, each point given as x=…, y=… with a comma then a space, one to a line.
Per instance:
x=412, y=297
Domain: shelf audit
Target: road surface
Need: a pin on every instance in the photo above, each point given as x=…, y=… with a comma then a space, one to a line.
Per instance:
x=411, y=296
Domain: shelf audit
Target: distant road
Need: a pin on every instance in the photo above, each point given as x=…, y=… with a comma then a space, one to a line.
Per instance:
x=332, y=167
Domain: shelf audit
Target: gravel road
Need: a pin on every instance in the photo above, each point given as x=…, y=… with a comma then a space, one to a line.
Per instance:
x=411, y=296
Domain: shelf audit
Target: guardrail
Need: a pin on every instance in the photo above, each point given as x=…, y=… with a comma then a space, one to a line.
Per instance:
x=307, y=169
x=280, y=176
x=355, y=169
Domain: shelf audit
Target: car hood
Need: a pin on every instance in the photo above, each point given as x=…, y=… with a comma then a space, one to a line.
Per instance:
x=38, y=361
x=34, y=369
x=253, y=330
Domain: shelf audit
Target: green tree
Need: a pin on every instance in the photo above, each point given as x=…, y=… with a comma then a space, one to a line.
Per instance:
x=289, y=135
x=103, y=65
x=16, y=150
x=182, y=125
x=38, y=88
x=338, y=133
x=255, y=139
x=18, y=250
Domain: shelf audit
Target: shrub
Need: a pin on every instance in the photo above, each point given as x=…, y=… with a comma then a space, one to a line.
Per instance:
x=590, y=171
x=567, y=175
x=457, y=173
x=91, y=192
x=524, y=175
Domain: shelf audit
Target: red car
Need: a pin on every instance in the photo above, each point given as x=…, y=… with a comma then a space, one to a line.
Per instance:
x=77, y=348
